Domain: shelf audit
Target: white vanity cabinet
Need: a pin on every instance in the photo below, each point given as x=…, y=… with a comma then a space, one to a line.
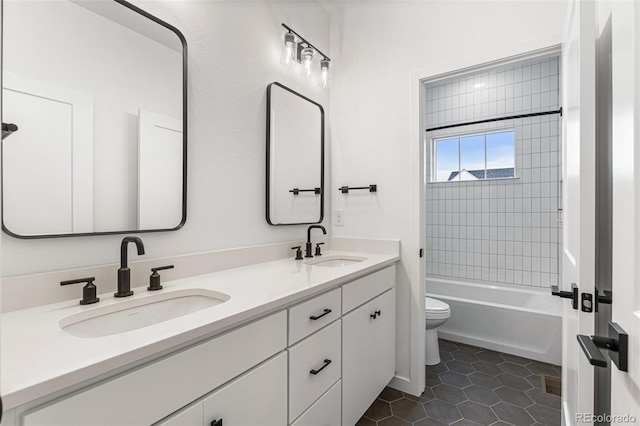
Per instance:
x=319, y=362
x=362, y=337
x=368, y=342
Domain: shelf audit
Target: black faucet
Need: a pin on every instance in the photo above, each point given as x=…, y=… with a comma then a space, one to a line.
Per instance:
x=124, y=273
x=308, y=246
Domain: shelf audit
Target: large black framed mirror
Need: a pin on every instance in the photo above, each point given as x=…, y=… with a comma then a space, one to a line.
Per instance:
x=295, y=158
x=94, y=113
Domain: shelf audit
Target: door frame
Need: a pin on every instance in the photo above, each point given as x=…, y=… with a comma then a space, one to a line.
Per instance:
x=419, y=151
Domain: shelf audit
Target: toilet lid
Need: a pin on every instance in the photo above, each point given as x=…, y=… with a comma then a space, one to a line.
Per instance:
x=435, y=305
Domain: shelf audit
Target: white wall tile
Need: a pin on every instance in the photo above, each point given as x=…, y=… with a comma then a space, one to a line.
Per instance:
x=506, y=230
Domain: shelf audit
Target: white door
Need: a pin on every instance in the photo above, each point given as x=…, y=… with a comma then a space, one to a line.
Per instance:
x=48, y=161
x=625, y=46
x=160, y=169
x=578, y=203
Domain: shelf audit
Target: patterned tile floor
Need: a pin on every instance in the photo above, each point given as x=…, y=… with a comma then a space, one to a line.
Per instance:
x=472, y=386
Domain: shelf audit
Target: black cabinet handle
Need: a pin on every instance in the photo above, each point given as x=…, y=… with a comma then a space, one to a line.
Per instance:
x=326, y=362
x=216, y=422
x=375, y=314
x=317, y=317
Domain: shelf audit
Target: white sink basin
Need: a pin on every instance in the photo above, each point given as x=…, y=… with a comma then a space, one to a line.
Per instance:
x=128, y=315
x=336, y=261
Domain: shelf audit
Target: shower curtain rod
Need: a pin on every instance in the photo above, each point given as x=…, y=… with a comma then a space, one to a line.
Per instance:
x=489, y=120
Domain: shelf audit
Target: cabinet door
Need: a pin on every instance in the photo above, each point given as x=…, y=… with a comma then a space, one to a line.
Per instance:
x=259, y=397
x=368, y=354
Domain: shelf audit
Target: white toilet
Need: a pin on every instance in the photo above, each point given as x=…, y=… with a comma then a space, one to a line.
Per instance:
x=436, y=313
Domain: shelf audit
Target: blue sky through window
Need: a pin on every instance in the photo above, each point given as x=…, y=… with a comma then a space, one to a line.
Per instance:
x=476, y=153
x=500, y=150
x=472, y=153
x=447, y=158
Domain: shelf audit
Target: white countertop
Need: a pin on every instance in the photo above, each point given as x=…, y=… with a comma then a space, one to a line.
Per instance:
x=38, y=358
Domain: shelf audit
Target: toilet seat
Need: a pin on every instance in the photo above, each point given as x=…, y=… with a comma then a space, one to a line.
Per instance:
x=436, y=309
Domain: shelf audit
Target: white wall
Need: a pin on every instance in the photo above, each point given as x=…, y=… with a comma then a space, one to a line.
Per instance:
x=379, y=52
x=234, y=53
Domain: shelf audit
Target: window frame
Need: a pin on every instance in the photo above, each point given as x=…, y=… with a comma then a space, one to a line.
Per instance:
x=459, y=136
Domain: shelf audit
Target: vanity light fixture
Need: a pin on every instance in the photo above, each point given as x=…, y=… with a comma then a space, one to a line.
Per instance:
x=324, y=74
x=289, y=50
x=306, y=62
x=297, y=50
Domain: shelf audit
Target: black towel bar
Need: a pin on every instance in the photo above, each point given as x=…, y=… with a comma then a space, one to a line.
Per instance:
x=296, y=191
x=346, y=189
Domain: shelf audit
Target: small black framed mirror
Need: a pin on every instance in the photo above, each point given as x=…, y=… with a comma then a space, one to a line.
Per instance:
x=94, y=93
x=295, y=158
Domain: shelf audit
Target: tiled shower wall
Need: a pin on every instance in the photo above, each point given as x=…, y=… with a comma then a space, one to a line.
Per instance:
x=499, y=230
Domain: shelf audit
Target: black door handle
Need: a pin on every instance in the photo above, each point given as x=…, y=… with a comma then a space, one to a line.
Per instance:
x=326, y=362
x=592, y=352
x=216, y=422
x=573, y=294
x=617, y=343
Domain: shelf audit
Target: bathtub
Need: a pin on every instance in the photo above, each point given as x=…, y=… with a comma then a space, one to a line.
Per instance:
x=517, y=321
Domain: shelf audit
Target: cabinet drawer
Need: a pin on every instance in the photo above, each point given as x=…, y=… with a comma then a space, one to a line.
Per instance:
x=310, y=316
x=312, y=354
x=258, y=397
x=190, y=416
x=366, y=288
x=325, y=411
x=148, y=394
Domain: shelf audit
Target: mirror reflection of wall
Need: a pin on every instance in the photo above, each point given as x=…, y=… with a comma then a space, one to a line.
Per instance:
x=295, y=147
x=96, y=90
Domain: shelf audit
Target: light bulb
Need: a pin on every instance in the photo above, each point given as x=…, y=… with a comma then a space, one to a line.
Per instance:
x=306, y=62
x=288, y=57
x=324, y=74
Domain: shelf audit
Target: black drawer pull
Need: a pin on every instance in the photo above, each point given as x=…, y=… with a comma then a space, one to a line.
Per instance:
x=326, y=362
x=376, y=314
x=216, y=422
x=314, y=317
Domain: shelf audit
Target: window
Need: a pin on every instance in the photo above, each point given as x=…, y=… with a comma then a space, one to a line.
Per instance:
x=474, y=157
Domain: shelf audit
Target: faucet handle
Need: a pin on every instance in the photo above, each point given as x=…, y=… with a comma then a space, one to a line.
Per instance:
x=298, y=250
x=154, y=278
x=318, y=252
x=88, y=291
